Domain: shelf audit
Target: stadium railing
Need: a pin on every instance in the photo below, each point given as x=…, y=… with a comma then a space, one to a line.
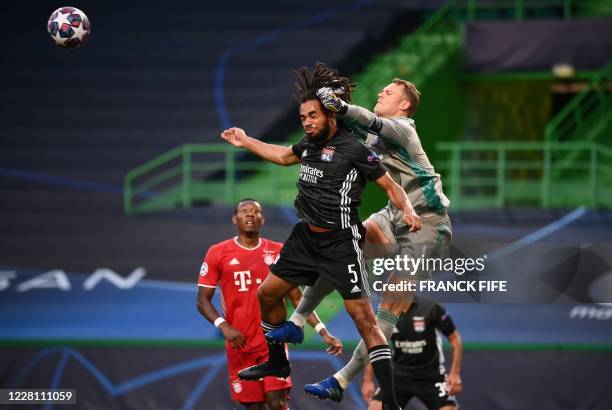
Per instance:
x=175, y=178
x=476, y=175
x=587, y=117
x=167, y=182
x=417, y=56
x=501, y=174
x=527, y=9
x=203, y=173
x=587, y=114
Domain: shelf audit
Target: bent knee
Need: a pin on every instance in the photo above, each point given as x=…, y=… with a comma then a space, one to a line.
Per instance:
x=374, y=234
x=264, y=295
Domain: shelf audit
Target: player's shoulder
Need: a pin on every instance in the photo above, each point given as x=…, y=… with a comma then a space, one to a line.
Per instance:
x=349, y=143
x=270, y=244
x=346, y=136
x=405, y=125
x=402, y=121
x=407, y=121
x=222, y=246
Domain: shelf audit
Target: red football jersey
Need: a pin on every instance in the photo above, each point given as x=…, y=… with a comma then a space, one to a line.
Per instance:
x=240, y=271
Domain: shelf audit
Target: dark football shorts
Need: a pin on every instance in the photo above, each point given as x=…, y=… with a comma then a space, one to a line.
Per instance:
x=334, y=255
x=431, y=391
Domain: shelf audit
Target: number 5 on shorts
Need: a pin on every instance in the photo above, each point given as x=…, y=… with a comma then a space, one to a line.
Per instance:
x=351, y=269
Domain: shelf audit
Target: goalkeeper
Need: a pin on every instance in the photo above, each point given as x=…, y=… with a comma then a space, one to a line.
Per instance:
x=391, y=133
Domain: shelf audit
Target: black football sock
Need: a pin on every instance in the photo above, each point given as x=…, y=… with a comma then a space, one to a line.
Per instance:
x=277, y=356
x=380, y=357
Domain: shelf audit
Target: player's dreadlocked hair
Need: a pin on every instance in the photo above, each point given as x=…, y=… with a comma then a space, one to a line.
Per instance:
x=308, y=82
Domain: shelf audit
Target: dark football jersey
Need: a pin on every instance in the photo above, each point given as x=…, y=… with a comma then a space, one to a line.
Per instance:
x=332, y=178
x=417, y=349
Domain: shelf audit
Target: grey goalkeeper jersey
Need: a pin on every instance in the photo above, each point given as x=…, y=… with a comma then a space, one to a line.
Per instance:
x=399, y=149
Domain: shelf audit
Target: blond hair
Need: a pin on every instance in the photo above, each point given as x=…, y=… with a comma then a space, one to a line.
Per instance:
x=411, y=93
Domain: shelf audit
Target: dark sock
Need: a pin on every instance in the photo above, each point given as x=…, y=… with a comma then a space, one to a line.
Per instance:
x=277, y=356
x=380, y=357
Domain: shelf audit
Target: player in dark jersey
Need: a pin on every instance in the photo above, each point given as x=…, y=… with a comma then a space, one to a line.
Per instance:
x=329, y=238
x=238, y=266
x=391, y=133
x=418, y=360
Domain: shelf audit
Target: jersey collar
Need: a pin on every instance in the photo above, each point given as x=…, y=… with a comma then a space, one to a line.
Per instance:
x=245, y=248
x=410, y=120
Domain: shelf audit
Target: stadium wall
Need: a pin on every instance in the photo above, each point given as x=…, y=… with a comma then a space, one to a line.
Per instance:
x=537, y=45
x=189, y=378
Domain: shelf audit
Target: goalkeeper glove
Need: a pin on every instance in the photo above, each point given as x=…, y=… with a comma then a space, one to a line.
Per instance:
x=331, y=101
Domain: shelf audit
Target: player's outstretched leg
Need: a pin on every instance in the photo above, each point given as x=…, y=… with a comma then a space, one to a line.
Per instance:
x=379, y=352
x=287, y=332
x=326, y=389
x=277, y=364
x=332, y=388
x=270, y=295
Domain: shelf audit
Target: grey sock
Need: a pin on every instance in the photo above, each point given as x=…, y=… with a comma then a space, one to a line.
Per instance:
x=311, y=297
x=386, y=322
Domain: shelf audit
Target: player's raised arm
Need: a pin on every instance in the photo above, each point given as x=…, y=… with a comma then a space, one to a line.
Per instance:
x=391, y=105
x=276, y=154
x=335, y=345
x=400, y=200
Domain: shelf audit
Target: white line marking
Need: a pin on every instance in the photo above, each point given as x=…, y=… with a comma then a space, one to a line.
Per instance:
x=539, y=234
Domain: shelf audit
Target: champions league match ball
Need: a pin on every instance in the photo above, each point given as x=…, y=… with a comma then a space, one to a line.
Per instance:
x=68, y=27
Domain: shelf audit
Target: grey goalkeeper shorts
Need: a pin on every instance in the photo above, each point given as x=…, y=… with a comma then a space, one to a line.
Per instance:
x=431, y=241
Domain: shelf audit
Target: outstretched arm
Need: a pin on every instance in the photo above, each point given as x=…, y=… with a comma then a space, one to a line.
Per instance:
x=400, y=200
x=385, y=127
x=276, y=154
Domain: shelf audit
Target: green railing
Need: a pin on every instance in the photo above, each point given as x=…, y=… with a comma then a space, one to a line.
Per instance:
x=421, y=53
x=204, y=173
x=491, y=174
x=476, y=175
x=583, y=113
x=416, y=57
x=522, y=9
x=196, y=173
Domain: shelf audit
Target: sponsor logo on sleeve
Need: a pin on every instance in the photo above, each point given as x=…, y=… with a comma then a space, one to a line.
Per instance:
x=372, y=156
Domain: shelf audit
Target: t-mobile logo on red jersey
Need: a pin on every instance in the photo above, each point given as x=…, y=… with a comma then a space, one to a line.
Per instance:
x=242, y=279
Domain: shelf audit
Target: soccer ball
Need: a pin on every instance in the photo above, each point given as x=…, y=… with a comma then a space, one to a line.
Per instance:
x=68, y=27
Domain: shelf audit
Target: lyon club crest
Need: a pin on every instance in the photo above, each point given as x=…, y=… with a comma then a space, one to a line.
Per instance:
x=327, y=154
x=419, y=323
